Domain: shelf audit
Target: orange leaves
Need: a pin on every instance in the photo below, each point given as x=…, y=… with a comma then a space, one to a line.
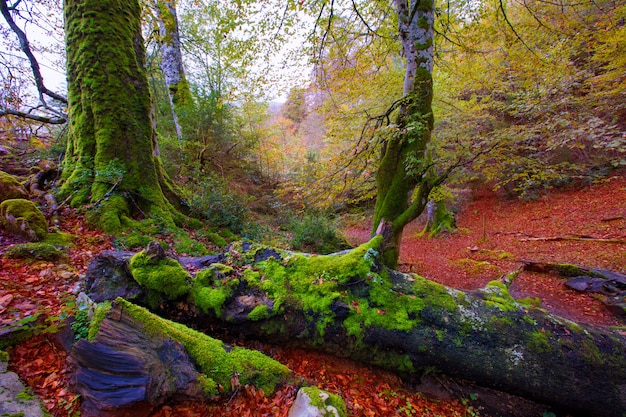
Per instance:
x=44, y=368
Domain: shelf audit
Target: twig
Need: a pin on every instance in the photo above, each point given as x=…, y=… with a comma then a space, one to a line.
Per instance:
x=109, y=192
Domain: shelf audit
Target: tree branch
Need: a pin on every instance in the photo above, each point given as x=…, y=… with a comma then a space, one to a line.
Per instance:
x=25, y=46
x=29, y=116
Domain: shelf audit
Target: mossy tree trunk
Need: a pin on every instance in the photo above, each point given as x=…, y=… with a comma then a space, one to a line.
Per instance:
x=404, y=178
x=350, y=305
x=172, y=60
x=112, y=160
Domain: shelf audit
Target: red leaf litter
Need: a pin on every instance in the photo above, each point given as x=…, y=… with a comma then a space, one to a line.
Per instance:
x=493, y=236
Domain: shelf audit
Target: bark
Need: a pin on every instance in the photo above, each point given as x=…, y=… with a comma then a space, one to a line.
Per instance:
x=172, y=60
x=403, y=182
x=350, y=305
x=112, y=152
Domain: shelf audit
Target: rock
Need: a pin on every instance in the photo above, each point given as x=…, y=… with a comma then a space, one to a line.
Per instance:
x=109, y=277
x=10, y=187
x=15, y=398
x=23, y=218
x=313, y=402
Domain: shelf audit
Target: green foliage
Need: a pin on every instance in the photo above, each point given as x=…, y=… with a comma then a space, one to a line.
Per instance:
x=317, y=233
x=211, y=199
x=547, y=106
x=81, y=323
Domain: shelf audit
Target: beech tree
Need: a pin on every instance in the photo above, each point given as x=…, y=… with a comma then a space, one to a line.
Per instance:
x=172, y=59
x=112, y=161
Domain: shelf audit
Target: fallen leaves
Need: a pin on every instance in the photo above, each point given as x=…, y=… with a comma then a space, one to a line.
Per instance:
x=44, y=368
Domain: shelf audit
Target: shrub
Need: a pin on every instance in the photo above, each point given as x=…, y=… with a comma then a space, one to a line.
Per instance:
x=212, y=200
x=316, y=233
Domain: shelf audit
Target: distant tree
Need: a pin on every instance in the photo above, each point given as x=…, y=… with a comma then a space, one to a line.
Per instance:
x=172, y=66
x=295, y=107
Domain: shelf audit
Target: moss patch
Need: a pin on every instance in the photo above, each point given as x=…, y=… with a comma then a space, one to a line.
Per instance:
x=216, y=362
x=40, y=251
x=166, y=276
x=22, y=217
x=10, y=187
x=212, y=287
x=320, y=285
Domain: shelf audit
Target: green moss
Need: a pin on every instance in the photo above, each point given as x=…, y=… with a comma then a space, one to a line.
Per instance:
x=10, y=187
x=4, y=356
x=36, y=251
x=112, y=215
x=497, y=295
x=423, y=23
x=212, y=287
x=165, y=276
x=101, y=64
x=101, y=311
x=60, y=239
x=317, y=284
x=189, y=247
x=475, y=268
x=25, y=395
x=259, y=312
x=217, y=239
x=132, y=239
x=209, y=386
x=323, y=400
x=425, y=45
x=217, y=363
x=22, y=217
x=539, y=341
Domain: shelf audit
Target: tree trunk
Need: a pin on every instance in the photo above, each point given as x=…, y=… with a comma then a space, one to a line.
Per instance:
x=112, y=159
x=172, y=60
x=348, y=304
x=402, y=180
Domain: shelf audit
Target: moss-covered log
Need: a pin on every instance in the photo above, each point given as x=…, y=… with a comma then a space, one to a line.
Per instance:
x=112, y=157
x=136, y=359
x=349, y=304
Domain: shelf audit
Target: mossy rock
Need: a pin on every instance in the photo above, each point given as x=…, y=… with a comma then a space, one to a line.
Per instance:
x=41, y=251
x=10, y=187
x=22, y=217
x=312, y=401
x=163, y=275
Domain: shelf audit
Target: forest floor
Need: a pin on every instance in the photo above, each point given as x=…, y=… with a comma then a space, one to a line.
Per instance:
x=493, y=236
x=581, y=226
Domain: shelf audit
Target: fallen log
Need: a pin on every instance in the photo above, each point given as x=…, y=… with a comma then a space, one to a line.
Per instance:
x=611, y=284
x=573, y=238
x=350, y=305
x=136, y=361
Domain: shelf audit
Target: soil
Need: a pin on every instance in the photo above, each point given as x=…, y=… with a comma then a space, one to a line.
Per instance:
x=494, y=234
